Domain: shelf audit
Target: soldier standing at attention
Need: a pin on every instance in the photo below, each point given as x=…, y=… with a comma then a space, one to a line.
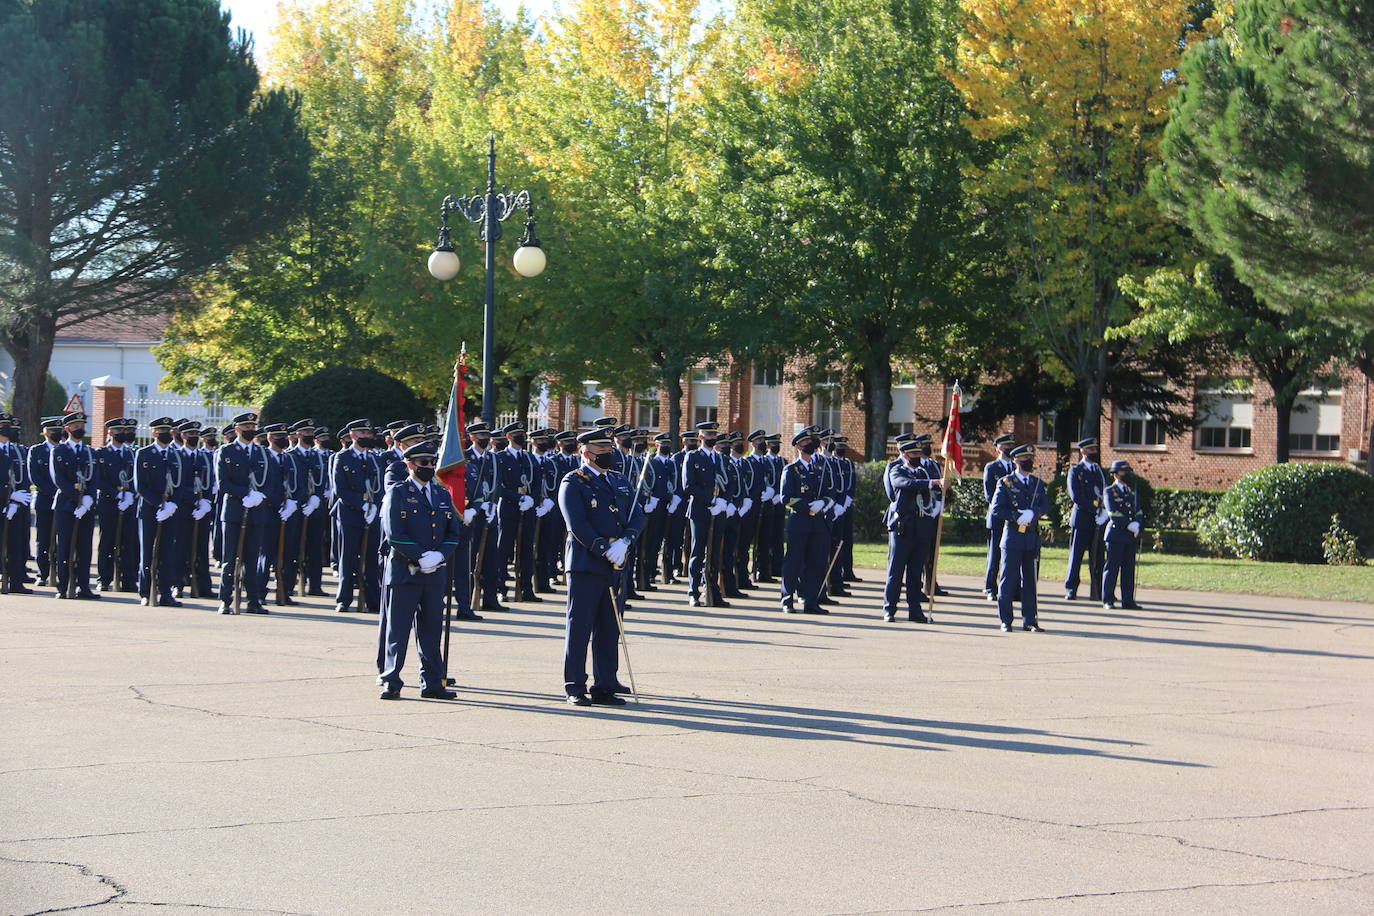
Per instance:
x=523, y=492
x=357, y=485
x=1086, y=518
x=422, y=531
x=995, y=470
x=603, y=519
x=40, y=475
x=1123, y=538
x=159, y=476
x=808, y=536
x=910, y=529
x=702, y=482
x=16, y=505
x=72, y=468
x=1020, y=501
x=484, y=494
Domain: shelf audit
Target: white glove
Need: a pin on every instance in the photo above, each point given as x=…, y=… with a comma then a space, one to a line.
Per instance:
x=777, y=499
x=1133, y=527
x=744, y=509
x=87, y=502
x=126, y=499
x=816, y=505
x=937, y=509
x=674, y=503
x=490, y=510
x=617, y=552
x=526, y=503
x=730, y=510
x=839, y=509
x=1102, y=516
x=310, y=506
x=167, y=511
x=1024, y=517
x=546, y=506
x=717, y=506
x=430, y=560
x=369, y=514
x=252, y=498
x=469, y=515
x=848, y=501
x=11, y=509
x=287, y=510
x=81, y=510
x=767, y=494
x=23, y=497
x=201, y=510
x=650, y=504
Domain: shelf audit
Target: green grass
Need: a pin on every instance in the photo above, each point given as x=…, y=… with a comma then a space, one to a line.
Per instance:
x=1203, y=574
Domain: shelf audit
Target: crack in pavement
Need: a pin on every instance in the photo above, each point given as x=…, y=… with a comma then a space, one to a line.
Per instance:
x=117, y=890
x=217, y=760
x=1231, y=817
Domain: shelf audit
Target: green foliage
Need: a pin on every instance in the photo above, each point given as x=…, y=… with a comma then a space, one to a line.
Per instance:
x=334, y=396
x=54, y=397
x=1266, y=154
x=1183, y=509
x=1281, y=512
x=1339, y=547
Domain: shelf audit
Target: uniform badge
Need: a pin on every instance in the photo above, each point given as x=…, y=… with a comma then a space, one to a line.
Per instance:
x=593, y=502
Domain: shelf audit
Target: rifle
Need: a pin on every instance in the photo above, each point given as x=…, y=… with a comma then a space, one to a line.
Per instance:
x=124, y=485
x=305, y=526
x=76, y=530
x=361, y=577
x=5, y=542
x=448, y=623
x=195, y=531
x=477, y=570
x=239, y=565
x=520, y=538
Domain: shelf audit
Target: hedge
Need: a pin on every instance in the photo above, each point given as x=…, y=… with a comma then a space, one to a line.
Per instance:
x=334, y=396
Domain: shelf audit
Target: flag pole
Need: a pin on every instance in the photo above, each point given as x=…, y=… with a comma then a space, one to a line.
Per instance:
x=952, y=433
x=939, y=533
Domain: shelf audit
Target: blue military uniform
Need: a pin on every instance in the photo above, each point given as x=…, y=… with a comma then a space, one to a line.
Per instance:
x=314, y=510
x=522, y=493
x=1020, y=502
x=703, y=480
x=197, y=520
x=484, y=492
x=660, y=486
x=600, y=510
x=40, y=475
x=357, y=484
x=117, y=554
x=16, y=506
x=910, y=532
x=1086, y=482
x=677, y=533
x=159, y=475
x=420, y=523
x=72, y=467
x=779, y=523
x=1123, y=539
x=843, y=486
x=244, y=475
x=993, y=472
x=808, y=535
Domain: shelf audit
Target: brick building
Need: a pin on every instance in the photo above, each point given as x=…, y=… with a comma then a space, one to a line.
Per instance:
x=1235, y=432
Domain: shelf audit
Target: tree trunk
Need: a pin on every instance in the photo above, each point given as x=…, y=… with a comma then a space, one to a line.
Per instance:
x=523, y=384
x=1283, y=410
x=31, y=350
x=672, y=380
x=876, y=380
x=1369, y=453
x=1090, y=424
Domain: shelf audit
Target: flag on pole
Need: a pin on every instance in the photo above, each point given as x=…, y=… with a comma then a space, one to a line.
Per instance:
x=452, y=463
x=953, y=447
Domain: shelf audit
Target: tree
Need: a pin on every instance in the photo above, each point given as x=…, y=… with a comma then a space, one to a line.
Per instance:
x=1266, y=155
x=1288, y=350
x=337, y=395
x=1076, y=96
x=135, y=151
x=843, y=158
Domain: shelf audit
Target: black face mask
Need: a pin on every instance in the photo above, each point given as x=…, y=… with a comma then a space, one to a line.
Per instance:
x=570, y=448
x=211, y=441
x=246, y=435
x=1024, y=465
x=124, y=437
x=925, y=451
x=163, y=437
x=774, y=447
x=1090, y=457
x=192, y=441
x=424, y=475
x=77, y=434
x=605, y=461
x=517, y=440
x=737, y=448
x=839, y=451
x=278, y=441
x=481, y=441
x=307, y=441
x=1121, y=478
x=665, y=449
x=641, y=448
x=708, y=444
x=9, y=432
x=809, y=448
x=54, y=437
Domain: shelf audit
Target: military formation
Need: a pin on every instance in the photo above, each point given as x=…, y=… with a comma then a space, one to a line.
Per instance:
x=255, y=514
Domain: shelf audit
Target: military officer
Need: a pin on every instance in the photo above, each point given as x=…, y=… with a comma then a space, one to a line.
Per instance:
x=703, y=480
x=660, y=488
x=603, y=519
x=1086, y=519
x=1020, y=502
x=1123, y=538
x=779, y=511
x=993, y=472
x=158, y=477
x=805, y=500
x=40, y=475
x=241, y=467
x=357, y=485
x=312, y=464
x=932, y=467
x=393, y=458
x=763, y=492
x=910, y=530
x=283, y=534
x=728, y=522
x=843, y=486
x=484, y=491
x=197, y=519
x=522, y=495
x=548, y=524
x=116, y=557
x=72, y=466
x=422, y=531
x=16, y=506
x=674, y=564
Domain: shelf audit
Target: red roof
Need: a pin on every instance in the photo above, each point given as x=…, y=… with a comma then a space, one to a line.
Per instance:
x=118, y=328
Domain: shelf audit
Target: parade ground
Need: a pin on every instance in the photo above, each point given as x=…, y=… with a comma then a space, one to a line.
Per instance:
x=1211, y=754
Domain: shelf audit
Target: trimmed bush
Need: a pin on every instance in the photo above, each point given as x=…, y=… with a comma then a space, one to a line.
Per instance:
x=339, y=394
x=1281, y=512
x=1183, y=508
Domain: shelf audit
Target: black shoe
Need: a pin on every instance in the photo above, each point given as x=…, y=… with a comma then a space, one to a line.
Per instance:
x=1133, y=607
x=1006, y=628
x=736, y=594
x=606, y=699
x=439, y=693
x=20, y=590
x=579, y=699
x=1033, y=628
x=762, y=580
x=531, y=596
x=318, y=593
x=1071, y=596
x=889, y=617
x=342, y=609
x=720, y=602
x=815, y=610
x=822, y=599
x=621, y=688
x=169, y=602
x=255, y=609
x=839, y=593
x=226, y=609
x=494, y=606
x=87, y=595
x=390, y=693
x=917, y=617
x=1109, y=605
x=543, y=589
x=286, y=602
x=469, y=616
x=648, y=587
x=940, y=592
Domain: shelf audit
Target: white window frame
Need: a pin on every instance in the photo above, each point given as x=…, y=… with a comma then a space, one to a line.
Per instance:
x=1230, y=389
x=1121, y=415
x=1318, y=395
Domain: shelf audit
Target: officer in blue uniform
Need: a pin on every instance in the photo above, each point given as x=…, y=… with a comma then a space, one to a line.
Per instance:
x=993, y=472
x=676, y=535
x=843, y=486
x=1086, y=520
x=357, y=485
x=72, y=466
x=933, y=470
x=242, y=469
x=910, y=530
x=545, y=456
x=522, y=494
x=1020, y=502
x=603, y=519
x=562, y=459
x=422, y=531
x=117, y=554
x=703, y=479
x=395, y=469
x=1123, y=538
x=808, y=536
x=314, y=512
x=16, y=505
x=779, y=526
x=484, y=493
x=196, y=520
x=283, y=534
x=159, y=476
x=40, y=475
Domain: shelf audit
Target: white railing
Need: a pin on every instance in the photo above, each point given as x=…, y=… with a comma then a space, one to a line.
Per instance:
x=180, y=407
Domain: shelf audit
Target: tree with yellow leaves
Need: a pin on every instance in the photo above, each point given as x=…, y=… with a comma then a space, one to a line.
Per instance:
x=1076, y=93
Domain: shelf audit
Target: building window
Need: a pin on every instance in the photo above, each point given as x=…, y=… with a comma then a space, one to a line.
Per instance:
x=1048, y=429
x=1139, y=430
x=589, y=408
x=706, y=374
x=825, y=402
x=646, y=410
x=1315, y=426
x=703, y=414
x=768, y=373
x=901, y=417
x=1225, y=414
x=215, y=411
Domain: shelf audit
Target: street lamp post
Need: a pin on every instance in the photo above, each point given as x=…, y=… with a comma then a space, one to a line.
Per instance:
x=489, y=210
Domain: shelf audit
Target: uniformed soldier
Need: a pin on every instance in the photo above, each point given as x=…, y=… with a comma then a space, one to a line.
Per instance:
x=603, y=519
x=393, y=457
x=357, y=485
x=675, y=546
x=910, y=530
x=1086, y=520
x=242, y=469
x=484, y=492
x=422, y=531
x=1020, y=502
x=40, y=475
x=16, y=506
x=933, y=470
x=114, y=496
x=159, y=476
x=72, y=466
x=747, y=516
x=993, y=472
x=1123, y=538
x=779, y=511
x=808, y=536
x=283, y=534
x=522, y=495
x=764, y=493
x=728, y=523
x=842, y=487
x=660, y=488
x=703, y=480
x=548, y=524
x=314, y=522
x=197, y=520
